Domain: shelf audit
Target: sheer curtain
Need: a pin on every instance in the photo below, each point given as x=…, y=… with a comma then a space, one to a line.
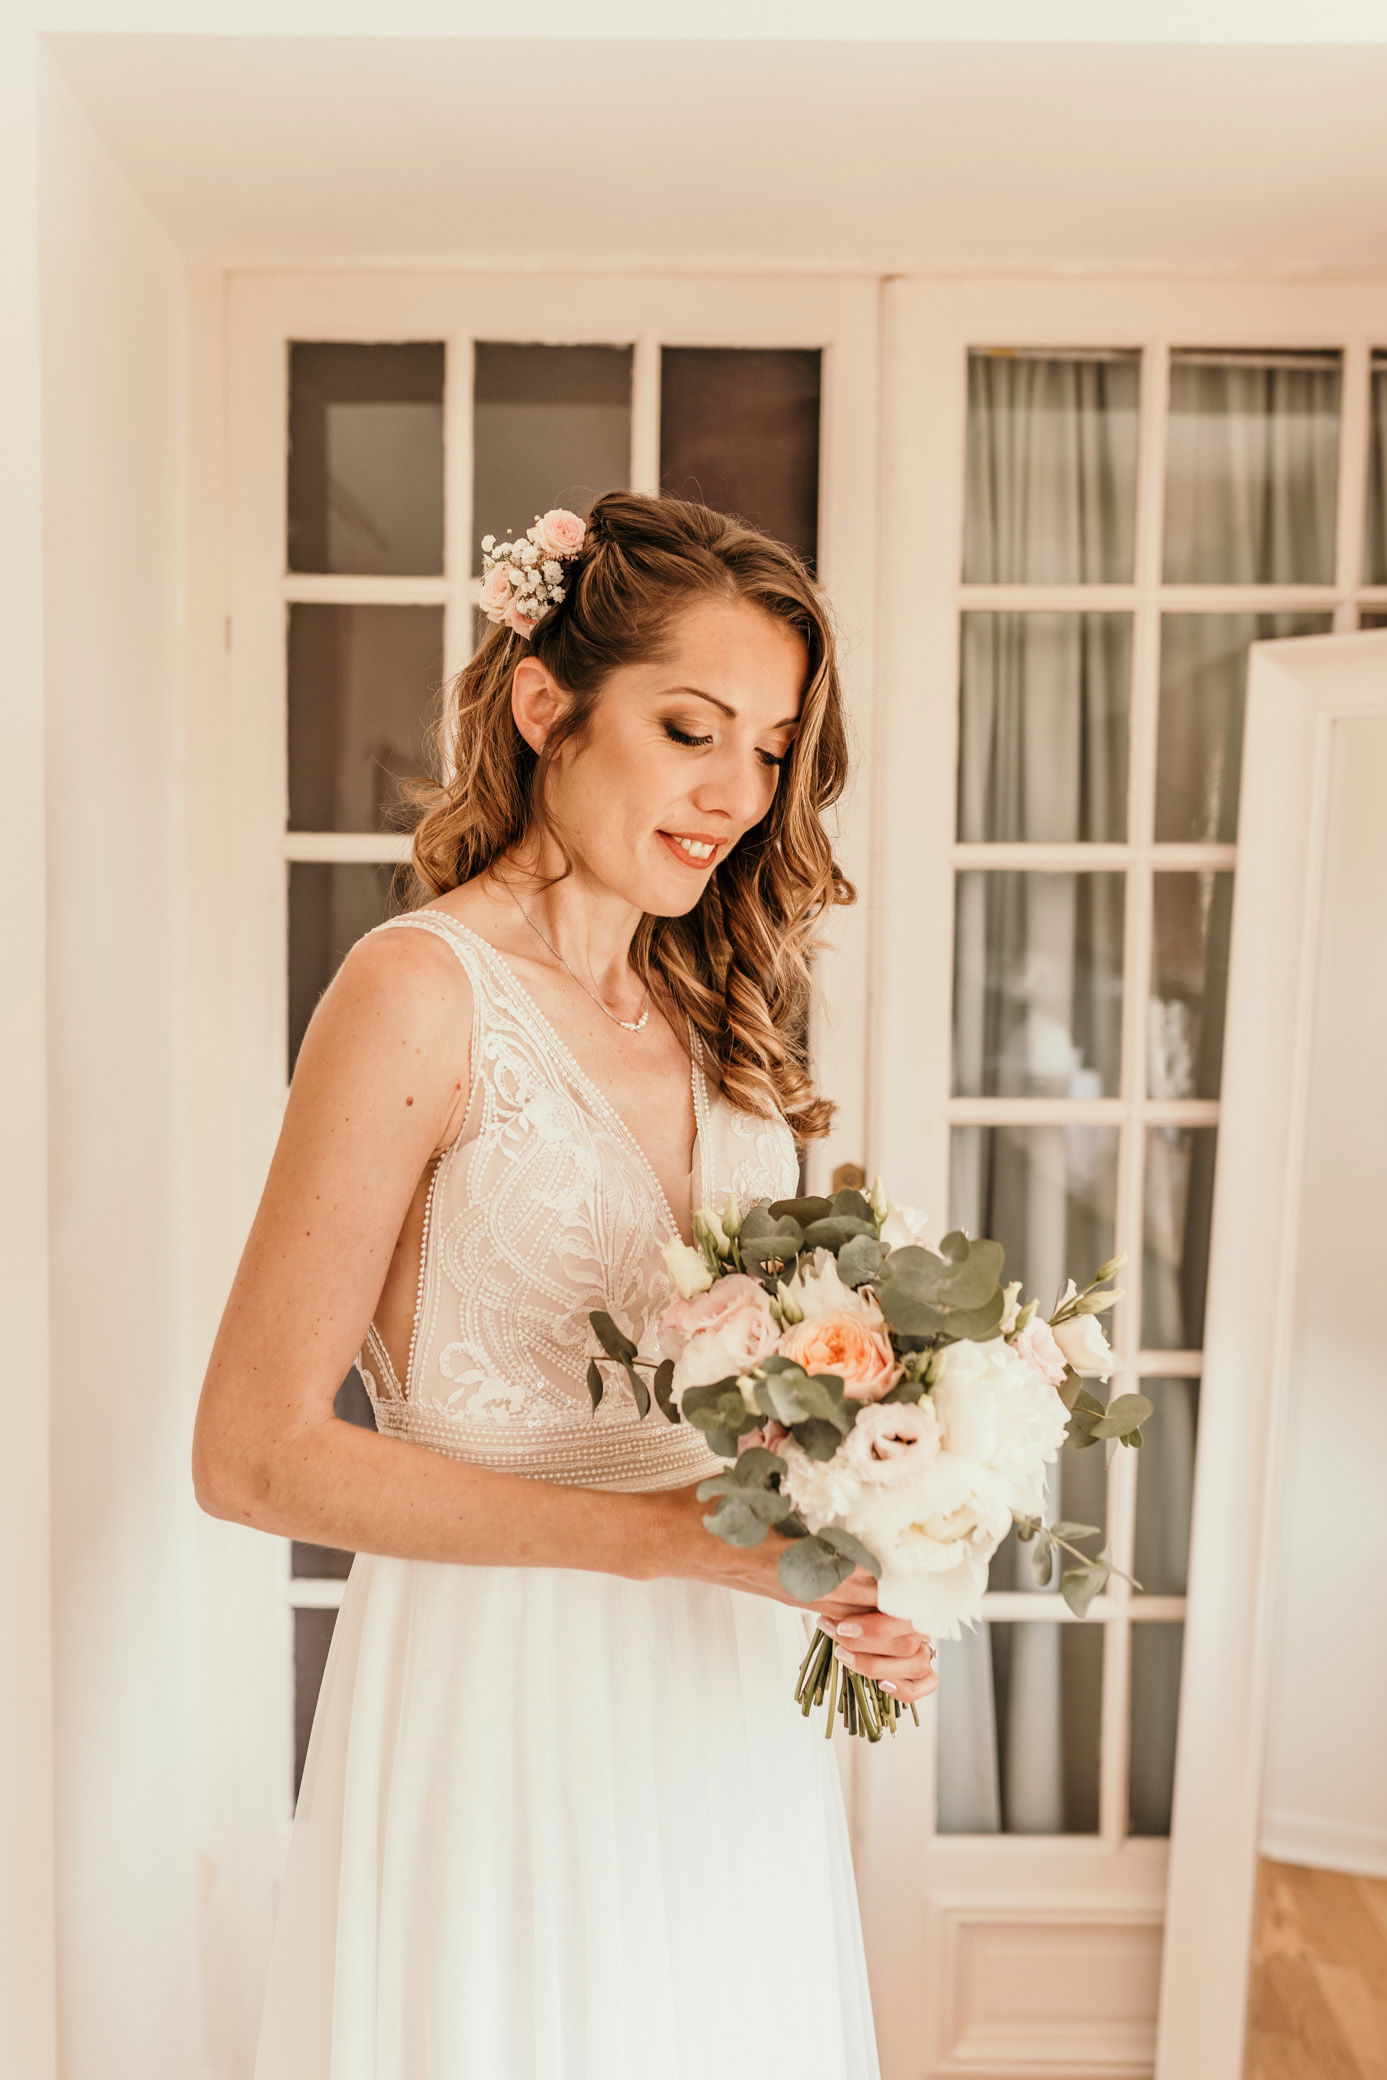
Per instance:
x=1044, y=705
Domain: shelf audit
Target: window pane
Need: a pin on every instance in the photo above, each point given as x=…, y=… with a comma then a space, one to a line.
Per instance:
x=330, y=906
x=1372, y=620
x=1047, y=1194
x=1037, y=984
x=1043, y=704
x=1165, y=1485
x=1199, y=752
x=739, y=430
x=1019, y=1710
x=1375, y=543
x=312, y=1638
x=353, y=1405
x=366, y=458
x=360, y=682
x=1179, y=1203
x=1189, y=972
x=1252, y=467
x=1076, y=1490
x=1051, y=467
x=551, y=426
x=1156, y=1653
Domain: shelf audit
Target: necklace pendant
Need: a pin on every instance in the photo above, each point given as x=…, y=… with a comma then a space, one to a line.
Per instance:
x=633, y=1025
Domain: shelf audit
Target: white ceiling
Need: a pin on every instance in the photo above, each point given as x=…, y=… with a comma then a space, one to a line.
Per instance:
x=874, y=157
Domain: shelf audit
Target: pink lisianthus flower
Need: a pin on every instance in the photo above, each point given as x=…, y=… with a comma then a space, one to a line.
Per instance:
x=1037, y=1345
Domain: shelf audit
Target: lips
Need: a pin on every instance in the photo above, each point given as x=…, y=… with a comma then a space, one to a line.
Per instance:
x=704, y=854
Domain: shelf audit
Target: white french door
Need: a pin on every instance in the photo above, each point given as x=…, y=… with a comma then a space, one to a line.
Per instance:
x=1095, y=497
x=377, y=425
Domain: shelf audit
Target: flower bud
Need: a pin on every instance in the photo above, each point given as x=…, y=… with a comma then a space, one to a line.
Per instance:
x=787, y=1306
x=1110, y=1269
x=708, y=1230
x=732, y=1216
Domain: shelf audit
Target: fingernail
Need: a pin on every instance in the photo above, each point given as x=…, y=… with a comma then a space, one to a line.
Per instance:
x=889, y=1686
x=848, y=1660
x=827, y=1625
x=850, y=1630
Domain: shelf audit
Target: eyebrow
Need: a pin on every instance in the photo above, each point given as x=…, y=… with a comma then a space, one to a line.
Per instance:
x=698, y=694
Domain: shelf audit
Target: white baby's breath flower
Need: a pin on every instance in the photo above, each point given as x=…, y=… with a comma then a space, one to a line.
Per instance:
x=553, y=570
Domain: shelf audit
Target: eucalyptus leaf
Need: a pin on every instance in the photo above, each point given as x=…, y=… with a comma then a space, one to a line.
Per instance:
x=663, y=1387
x=810, y=1570
x=836, y=1230
x=613, y=1340
x=1079, y=1585
x=640, y=1391
x=859, y=1260
x=734, y=1520
x=844, y=1542
x=801, y=1210
x=595, y=1382
x=853, y=1202
x=818, y=1438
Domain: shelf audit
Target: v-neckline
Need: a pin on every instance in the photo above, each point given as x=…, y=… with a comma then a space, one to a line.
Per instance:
x=698, y=1083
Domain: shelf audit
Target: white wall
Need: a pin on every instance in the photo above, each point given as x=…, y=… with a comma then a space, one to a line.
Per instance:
x=1325, y=1799
x=124, y=1620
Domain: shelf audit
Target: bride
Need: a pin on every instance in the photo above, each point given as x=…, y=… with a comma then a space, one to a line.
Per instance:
x=560, y=1818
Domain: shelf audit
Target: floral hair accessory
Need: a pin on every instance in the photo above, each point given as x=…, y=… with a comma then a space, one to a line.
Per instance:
x=521, y=580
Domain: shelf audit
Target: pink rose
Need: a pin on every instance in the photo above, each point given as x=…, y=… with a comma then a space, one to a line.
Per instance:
x=715, y=1334
x=1037, y=1345
x=893, y=1442
x=845, y=1344
x=521, y=623
x=558, y=532
x=495, y=596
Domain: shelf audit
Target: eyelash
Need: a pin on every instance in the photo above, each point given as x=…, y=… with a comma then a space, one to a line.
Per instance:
x=681, y=737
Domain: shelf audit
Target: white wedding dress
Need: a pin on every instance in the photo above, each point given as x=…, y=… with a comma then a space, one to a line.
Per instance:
x=556, y=1824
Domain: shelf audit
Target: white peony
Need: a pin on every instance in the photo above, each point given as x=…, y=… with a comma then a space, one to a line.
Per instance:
x=998, y=1411
x=934, y=1539
x=824, y=1491
x=903, y=1227
x=815, y=1289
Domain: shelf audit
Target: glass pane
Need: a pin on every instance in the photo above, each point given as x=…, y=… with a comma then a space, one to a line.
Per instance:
x=739, y=430
x=1372, y=620
x=330, y=906
x=360, y=682
x=1043, y=705
x=1076, y=1490
x=1047, y=1194
x=353, y=1405
x=312, y=1638
x=1019, y=1710
x=1252, y=467
x=366, y=458
x=1037, y=984
x=1189, y=971
x=1051, y=487
x=1179, y=1204
x=1156, y=1652
x=1165, y=1485
x=1200, y=746
x=551, y=426
x=1375, y=541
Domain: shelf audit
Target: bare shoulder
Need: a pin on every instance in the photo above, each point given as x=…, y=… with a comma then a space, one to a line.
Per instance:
x=393, y=1026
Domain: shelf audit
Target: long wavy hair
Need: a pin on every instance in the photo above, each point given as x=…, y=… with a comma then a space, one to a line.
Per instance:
x=738, y=962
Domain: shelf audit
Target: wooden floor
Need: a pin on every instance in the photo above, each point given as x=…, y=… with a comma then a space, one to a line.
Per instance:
x=1318, y=2004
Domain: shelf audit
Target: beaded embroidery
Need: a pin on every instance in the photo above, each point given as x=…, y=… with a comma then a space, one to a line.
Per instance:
x=542, y=1207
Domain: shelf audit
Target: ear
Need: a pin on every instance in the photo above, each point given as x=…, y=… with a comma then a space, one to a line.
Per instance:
x=536, y=701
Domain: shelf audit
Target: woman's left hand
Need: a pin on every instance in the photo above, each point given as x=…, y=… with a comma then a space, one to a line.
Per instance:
x=888, y=1650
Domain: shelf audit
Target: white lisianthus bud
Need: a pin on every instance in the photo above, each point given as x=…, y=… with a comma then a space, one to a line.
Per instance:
x=1011, y=1308
x=1110, y=1269
x=1098, y=1303
x=786, y=1305
x=687, y=1267
x=709, y=1230
x=746, y=1382
x=732, y=1215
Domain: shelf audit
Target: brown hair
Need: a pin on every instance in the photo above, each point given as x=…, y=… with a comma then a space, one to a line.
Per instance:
x=737, y=963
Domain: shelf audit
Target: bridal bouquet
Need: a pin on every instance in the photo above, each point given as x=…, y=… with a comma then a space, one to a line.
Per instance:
x=881, y=1404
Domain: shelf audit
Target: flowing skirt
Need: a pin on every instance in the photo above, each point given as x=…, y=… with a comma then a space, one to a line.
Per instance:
x=559, y=1825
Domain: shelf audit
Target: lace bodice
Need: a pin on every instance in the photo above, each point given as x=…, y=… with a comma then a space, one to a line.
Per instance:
x=543, y=1207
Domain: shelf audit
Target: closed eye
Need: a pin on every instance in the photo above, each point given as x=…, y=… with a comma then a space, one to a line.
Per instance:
x=680, y=736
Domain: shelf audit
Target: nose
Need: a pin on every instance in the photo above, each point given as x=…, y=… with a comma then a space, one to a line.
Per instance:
x=734, y=793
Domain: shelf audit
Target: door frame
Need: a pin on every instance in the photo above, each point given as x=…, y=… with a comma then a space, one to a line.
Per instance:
x=1299, y=689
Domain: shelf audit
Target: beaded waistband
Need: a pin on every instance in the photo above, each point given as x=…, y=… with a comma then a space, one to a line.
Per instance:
x=627, y=1457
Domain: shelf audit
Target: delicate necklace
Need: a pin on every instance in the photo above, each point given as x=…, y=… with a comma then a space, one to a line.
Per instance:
x=632, y=1025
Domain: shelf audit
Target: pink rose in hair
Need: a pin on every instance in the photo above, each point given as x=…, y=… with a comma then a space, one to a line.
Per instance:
x=558, y=532
x=521, y=623
x=495, y=595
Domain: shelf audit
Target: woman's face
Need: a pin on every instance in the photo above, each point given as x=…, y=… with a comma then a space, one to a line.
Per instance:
x=680, y=758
